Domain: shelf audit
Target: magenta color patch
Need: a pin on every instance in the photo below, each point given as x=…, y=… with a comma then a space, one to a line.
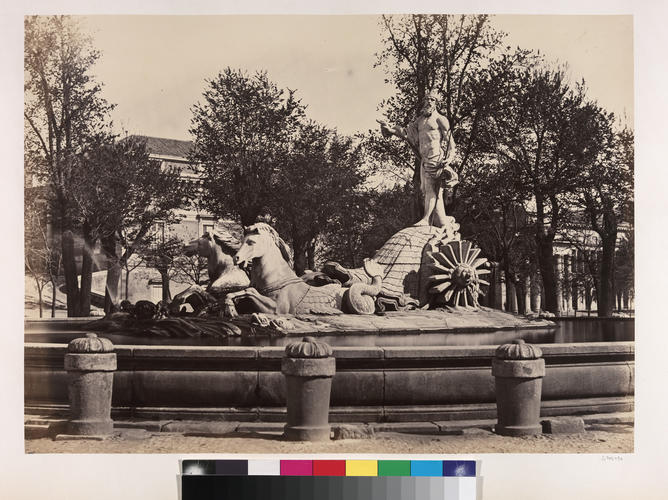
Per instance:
x=296, y=467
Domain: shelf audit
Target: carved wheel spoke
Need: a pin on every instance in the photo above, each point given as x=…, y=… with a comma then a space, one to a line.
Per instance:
x=456, y=269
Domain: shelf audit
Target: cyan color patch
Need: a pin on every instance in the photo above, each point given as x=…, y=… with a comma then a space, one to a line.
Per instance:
x=431, y=468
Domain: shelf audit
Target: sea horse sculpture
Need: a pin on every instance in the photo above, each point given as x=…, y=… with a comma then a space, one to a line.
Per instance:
x=224, y=276
x=275, y=288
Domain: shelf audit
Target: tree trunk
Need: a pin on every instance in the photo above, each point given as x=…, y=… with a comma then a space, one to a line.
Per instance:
x=70, y=271
x=166, y=294
x=86, y=273
x=498, y=288
x=527, y=295
x=39, y=296
x=299, y=248
x=606, y=295
x=113, y=277
x=511, y=295
x=111, y=298
x=127, y=281
x=310, y=255
x=546, y=263
x=520, y=292
x=535, y=293
x=588, y=299
x=53, y=298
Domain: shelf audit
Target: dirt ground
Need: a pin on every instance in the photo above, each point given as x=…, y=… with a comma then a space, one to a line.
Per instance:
x=597, y=439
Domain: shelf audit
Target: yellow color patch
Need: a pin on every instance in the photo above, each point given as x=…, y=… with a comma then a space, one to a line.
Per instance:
x=361, y=467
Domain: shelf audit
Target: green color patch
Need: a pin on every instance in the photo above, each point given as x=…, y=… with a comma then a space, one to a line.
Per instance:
x=394, y=467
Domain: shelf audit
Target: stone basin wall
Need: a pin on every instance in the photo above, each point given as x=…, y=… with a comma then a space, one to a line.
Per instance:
x=372, y=384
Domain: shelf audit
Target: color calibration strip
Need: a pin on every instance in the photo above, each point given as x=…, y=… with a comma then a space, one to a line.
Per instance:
x=330, y=480
x=349, y=468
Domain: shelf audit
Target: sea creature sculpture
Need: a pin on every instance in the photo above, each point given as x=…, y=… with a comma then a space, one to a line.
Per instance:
x=275, y=288
x=422, y=266
x=224, y=276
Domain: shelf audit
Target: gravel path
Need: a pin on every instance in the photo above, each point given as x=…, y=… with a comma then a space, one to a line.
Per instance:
x=598, y=439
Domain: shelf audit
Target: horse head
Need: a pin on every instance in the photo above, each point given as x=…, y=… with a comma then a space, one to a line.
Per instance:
x=201, y=246
x=259, y=240
x=205, y=245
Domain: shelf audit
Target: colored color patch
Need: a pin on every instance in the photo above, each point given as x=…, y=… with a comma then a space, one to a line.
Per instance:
x=296, y=467
x=361, y=467
x=329, y=467
x=430, y=468
x=459, y=468
x=394, y=468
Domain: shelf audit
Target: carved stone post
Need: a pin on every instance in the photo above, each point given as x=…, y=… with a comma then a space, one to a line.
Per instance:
x=90, y=363
x=518, y=371
x=308, y=368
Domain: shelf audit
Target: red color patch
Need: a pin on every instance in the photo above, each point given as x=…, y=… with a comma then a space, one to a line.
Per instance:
x=329, y=467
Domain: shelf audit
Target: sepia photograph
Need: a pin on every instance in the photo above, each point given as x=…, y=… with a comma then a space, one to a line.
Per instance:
x=329, y=234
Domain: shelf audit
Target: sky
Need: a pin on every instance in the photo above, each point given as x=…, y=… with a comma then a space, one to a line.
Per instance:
x=154, y=67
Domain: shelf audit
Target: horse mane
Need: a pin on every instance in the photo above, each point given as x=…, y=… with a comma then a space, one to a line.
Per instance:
x=263, y=227
x=227, y=243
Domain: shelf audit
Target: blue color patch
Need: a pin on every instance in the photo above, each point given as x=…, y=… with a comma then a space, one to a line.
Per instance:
x=460, y=468
x=430, y=468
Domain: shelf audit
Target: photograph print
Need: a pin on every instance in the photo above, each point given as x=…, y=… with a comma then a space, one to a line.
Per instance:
x=329, y=234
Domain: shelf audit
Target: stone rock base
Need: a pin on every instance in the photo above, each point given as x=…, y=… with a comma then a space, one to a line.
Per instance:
x=563, y=425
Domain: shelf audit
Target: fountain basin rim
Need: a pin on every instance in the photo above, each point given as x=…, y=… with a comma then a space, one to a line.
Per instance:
x=390, y=352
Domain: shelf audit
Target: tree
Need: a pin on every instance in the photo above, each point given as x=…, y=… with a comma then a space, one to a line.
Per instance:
x=624, y=268
x=366, y=221
x=549, y=135
x=587, y=243
x=42, y=257
x=121, y=194
x=63, y=110
x=241, y=134
x=496, y=219
x=320, y=174
x=462, y=57
x=130, y=265
x=161, y=255
x=606, y=195
x=191, y=269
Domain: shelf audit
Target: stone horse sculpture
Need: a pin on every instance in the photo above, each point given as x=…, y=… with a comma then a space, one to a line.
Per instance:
x=275, y=288
x=219, y=252
x=224, y=276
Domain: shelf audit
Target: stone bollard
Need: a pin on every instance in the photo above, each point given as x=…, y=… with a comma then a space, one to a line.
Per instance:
x=518, y=370
x=90, y=364
x=308, y=368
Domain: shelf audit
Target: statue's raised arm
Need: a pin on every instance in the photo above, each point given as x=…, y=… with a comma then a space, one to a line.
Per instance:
x=396, y=130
